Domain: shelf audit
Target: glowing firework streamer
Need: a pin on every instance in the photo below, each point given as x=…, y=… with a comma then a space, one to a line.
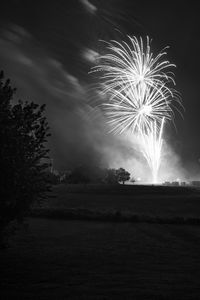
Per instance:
x=136, y=110
x=128, y=65
x=152, y=146
x=140, y=98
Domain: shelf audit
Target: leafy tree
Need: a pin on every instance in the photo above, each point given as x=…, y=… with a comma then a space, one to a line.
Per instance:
x=79, y=175
x=122, y=175
x=85, y=173
x=23, y=154
x=110, y=176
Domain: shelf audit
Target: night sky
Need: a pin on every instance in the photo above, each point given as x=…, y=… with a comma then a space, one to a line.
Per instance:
x=48, y=47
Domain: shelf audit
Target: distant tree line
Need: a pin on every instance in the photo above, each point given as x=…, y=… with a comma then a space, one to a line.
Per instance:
x=84, y=175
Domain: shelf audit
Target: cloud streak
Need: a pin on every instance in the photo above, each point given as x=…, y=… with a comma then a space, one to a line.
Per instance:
x=79, y=132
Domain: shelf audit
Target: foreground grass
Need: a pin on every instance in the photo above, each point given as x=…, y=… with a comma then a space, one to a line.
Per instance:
x=155, y=201
x=110, y=216
x=137, y=248
x=90, y=260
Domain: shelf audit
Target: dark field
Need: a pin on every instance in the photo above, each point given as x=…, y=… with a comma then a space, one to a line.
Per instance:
x=148, y=200
x=63, y=259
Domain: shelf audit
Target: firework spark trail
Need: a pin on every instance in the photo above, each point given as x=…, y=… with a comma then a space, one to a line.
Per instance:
x=152, y=146
x=128, y=65
x=136, y=110
x=140, y=97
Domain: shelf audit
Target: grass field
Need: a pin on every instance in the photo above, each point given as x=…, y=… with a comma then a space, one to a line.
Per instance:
x=73, y=259
x=149, y=200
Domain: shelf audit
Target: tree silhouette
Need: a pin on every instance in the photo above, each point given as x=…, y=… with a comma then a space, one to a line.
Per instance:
x=23, y=134
x=122, y=175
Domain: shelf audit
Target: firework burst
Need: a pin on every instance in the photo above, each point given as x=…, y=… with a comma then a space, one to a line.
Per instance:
x=132, y=64
x=136, y=110
x=140, y=98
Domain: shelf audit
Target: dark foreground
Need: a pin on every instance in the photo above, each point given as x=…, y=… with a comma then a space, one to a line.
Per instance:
x=146, y=246
x=58, y=259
